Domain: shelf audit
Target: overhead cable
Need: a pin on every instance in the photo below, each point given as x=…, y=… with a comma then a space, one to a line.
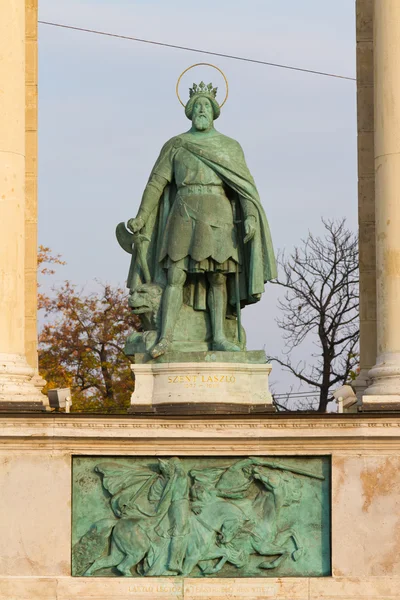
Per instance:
x=188, y=49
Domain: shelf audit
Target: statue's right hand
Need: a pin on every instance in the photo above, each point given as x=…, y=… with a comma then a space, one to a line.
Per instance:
x=136, y=224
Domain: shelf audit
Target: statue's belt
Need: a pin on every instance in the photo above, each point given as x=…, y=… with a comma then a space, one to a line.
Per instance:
x=187, y=211
x=200, y=188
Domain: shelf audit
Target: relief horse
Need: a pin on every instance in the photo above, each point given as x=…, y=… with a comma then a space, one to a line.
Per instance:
x=229, y=535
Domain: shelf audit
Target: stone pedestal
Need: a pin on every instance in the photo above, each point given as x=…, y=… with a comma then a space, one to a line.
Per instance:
x=36, y=454
x=210, y=380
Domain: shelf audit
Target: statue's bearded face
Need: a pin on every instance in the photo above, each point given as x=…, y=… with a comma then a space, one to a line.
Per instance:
x=203, y=114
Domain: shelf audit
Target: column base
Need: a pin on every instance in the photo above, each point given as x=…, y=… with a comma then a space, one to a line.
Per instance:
x=20, y=385
x=361, y=383
x=384, y=391
x=381, y=403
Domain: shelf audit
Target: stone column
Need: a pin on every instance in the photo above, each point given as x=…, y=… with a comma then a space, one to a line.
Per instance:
x=385, y=387
x=31, y=119
x=16, y=388
x=366, y=190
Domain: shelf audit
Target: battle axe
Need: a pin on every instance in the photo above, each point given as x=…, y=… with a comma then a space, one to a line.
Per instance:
x=129, y=240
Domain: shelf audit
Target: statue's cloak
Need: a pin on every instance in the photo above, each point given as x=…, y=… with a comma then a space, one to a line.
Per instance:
x=225, y=156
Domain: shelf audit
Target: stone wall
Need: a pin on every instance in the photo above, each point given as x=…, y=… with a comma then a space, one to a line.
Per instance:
x=35, y=500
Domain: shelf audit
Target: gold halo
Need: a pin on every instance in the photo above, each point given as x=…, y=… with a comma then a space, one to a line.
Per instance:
x=205, y=65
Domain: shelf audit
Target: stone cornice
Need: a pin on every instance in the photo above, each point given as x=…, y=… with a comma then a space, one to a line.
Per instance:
x=296, y=433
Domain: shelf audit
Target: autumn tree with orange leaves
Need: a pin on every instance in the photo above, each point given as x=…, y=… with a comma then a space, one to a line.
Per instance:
x=81, y=342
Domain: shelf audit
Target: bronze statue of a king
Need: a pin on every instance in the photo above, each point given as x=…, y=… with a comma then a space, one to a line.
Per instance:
x=200, y=243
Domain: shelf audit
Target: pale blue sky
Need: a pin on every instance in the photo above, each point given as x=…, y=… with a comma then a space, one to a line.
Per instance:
x=108, y=105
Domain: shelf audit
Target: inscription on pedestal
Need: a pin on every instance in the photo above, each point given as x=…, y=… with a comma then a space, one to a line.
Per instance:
x=231, y=589
x=167, y=588
x=201, y=381
x=201, y=517
x=207, y=382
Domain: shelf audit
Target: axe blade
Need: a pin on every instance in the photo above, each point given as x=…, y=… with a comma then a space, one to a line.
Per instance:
x=124, y=238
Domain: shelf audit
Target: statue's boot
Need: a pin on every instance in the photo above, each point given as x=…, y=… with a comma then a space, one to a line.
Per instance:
x=171, y=306
x=217, y=302
x=161, y=348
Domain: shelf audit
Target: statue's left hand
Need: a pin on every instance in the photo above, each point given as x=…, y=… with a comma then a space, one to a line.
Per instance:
x=249, y=228
x=136, y=224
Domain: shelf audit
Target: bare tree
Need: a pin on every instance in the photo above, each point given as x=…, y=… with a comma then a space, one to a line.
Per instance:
x=320, y=303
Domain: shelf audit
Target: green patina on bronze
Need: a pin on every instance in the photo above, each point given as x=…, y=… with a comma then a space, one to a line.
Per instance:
x=255, y=357
x=201, y=517
x=200, y=244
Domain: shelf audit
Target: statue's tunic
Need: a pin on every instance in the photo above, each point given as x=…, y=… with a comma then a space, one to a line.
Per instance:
x=199, y=194
x=200, y=234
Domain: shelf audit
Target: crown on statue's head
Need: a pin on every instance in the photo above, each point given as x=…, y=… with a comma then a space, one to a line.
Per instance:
x=202, y=88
